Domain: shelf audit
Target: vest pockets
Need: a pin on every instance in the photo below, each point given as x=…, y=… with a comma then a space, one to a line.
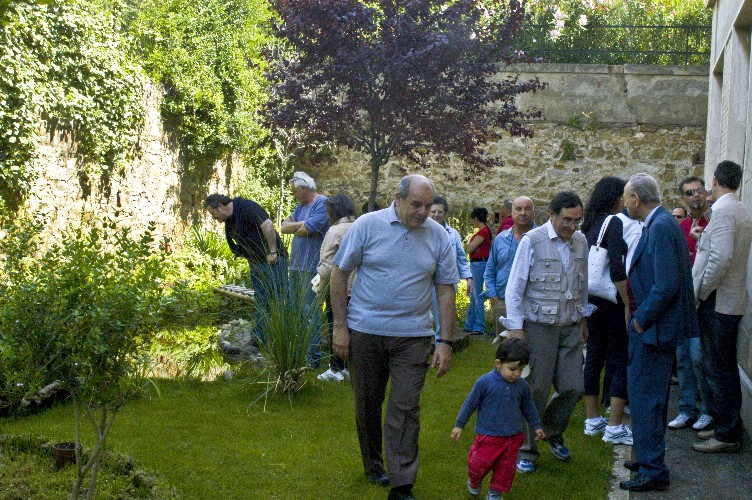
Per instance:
x=579, y=283
x=546, y=314
x=545, y=281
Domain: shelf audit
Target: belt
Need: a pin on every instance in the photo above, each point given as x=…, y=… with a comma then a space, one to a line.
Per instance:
x=478, y=260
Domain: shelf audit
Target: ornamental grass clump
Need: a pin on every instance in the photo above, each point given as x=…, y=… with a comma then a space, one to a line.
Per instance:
x=82, y=313
x=290, y=330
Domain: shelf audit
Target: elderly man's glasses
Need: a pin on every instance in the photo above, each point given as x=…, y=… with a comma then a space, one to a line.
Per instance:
x=692, y=192
x=567, y=222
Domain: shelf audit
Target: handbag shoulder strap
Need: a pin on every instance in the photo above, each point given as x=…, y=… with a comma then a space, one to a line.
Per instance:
x=603, y=230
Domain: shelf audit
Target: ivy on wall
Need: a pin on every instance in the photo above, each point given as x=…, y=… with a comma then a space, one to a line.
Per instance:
x=64, y=65
x=207, y=56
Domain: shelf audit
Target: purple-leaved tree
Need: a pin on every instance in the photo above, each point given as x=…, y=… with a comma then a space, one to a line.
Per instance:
x=417, y=79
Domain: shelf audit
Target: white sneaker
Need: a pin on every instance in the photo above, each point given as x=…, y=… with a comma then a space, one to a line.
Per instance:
x=680, y=422
x=703, y=422
x=596, y=427
x=331, y=375
x=620, y=434
x=346, y=374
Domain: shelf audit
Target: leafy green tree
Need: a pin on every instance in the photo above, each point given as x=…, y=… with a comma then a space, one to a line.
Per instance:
x=207, y=56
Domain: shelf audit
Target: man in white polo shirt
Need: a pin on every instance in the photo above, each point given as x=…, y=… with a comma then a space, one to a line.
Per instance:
x=387, y=328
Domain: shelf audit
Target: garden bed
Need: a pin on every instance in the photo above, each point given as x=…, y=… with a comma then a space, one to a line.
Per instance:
x=28, y=472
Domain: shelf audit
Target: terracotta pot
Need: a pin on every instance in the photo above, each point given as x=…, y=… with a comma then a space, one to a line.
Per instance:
x=64, y=453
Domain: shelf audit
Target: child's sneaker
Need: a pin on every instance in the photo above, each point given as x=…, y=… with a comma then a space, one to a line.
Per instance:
x=493, y=495
x=525, y=466
x=473, y=491
x=345, y=373
x=619, y=434
x=594, y=426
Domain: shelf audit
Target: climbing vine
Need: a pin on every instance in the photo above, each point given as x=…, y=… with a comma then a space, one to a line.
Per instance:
x=207, y=56
x=64, y=66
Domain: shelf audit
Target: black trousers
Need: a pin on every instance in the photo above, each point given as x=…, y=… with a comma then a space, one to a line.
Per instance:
x=607, y=345
x=718, y=336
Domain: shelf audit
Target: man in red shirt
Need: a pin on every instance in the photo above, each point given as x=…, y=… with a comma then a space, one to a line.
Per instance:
x=505, y=216
x=695, y=197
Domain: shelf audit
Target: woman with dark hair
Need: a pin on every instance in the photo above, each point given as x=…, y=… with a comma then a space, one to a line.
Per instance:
x=607, y=342
x=341, y=213
x=478, y=249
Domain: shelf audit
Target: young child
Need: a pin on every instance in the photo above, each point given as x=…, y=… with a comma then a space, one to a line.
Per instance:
x=501, y=397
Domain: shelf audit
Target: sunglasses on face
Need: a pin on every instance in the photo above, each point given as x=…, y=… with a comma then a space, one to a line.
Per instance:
x=692, y=192
x=679, y=217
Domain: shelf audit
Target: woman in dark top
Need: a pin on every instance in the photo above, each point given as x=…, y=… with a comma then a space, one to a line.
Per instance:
x=607, y=342
x=478, y=249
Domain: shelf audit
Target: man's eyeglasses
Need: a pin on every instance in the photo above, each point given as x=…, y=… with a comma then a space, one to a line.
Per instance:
x=692, y=192
x=567, y=222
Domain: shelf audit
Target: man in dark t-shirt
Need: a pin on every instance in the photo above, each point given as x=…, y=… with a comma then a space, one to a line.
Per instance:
x=250, y=234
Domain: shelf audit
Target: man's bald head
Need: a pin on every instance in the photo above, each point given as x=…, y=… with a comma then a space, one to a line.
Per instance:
x=523, y=213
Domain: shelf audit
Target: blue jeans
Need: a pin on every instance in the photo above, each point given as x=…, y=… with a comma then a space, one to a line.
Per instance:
x=476, y=316
x=718, y=336
x=690, y=377
x=300, y=289
x=269, y=282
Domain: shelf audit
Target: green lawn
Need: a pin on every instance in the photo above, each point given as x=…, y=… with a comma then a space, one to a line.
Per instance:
x=211, y=443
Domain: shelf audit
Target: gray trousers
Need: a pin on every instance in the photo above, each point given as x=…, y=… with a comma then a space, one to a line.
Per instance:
x=555, y=360
x=373, y=360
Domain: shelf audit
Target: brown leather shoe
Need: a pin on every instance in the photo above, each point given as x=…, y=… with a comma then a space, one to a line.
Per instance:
x=706, y=434
x=712, y=445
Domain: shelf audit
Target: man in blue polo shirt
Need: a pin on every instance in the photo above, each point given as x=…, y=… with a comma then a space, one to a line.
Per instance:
x=386, y=331
x=308, y=223
x=500, y=260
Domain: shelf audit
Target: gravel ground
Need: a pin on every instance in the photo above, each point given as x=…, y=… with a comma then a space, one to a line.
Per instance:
x=694, y=475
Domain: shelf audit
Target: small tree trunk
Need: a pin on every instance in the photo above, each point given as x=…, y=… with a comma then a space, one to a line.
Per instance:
x=77, y=446
x=375, y=166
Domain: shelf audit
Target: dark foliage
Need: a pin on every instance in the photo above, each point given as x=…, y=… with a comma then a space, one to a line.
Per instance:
x=399, y=78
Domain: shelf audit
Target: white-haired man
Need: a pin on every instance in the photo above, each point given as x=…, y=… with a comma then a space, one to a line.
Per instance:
x=308, y=223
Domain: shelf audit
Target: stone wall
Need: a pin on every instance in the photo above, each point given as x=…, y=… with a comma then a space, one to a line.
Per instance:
x=600, y=120
x=152, y=188
x=538, y=167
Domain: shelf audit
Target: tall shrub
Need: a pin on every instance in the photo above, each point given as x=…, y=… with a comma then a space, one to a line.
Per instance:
x=82, y=313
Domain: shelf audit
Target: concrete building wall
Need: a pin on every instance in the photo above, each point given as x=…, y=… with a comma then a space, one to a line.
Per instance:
x=729, y=134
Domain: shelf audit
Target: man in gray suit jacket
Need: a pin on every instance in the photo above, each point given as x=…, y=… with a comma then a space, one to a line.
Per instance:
x=719, y=276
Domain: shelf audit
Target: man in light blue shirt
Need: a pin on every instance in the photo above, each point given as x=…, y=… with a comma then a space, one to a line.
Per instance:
x=438, y=213
x=309, y=224
x=500, y=260
x=386, y=331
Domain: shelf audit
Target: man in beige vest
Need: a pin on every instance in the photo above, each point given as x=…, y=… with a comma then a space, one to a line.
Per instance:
x=719, y=276
x=547, y=302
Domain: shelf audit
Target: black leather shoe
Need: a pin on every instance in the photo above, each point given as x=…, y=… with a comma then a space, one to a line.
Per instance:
x=644, y=483
x=400, y=494
x=631, y=465
x=378, y=478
